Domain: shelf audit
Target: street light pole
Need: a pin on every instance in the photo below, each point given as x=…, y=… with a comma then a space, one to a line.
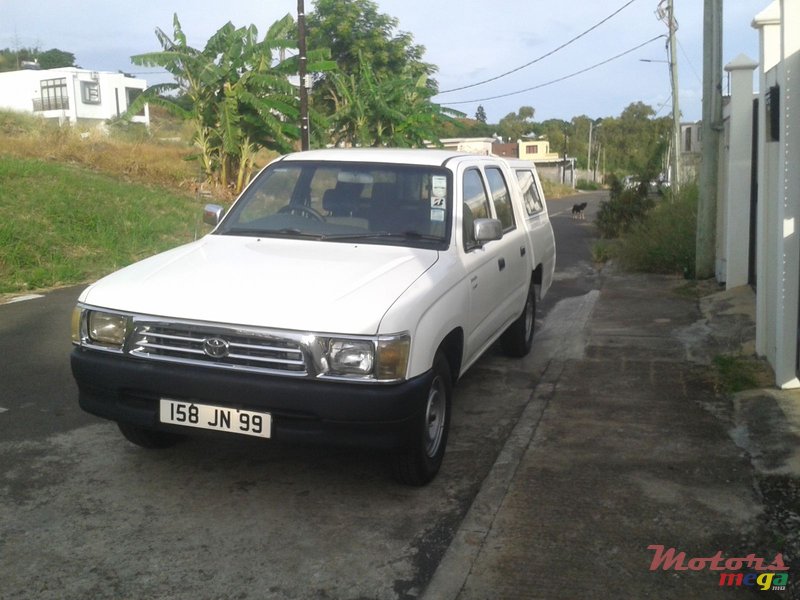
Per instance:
x=589, y=155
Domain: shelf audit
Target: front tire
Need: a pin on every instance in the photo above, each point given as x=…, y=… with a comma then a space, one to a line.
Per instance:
x=419, y=463
x=148, y=438
x=517, y=340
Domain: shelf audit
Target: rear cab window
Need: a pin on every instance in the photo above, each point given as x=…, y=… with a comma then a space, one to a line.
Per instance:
x=530, y=192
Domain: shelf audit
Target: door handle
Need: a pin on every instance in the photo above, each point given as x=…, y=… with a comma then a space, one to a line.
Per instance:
x=522, y=250
x=501, y=263
x=474, y=281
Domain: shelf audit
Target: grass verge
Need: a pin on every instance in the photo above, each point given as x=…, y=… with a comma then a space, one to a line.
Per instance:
x=737, y=373
x=664, y=241
x=63, y=224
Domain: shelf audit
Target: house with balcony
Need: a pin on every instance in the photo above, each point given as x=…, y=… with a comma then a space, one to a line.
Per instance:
x=71, y=95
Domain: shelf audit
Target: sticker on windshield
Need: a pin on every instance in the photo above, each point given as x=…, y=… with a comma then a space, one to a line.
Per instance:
x=438, y=186
x=437, y=215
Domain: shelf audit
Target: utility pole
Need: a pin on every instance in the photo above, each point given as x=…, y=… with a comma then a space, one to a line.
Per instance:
x=667, y=15
x=305, y=143
x=712, y=122
x=589, y=154
x=675, y=174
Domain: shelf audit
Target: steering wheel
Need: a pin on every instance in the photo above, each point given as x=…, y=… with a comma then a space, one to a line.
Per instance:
x=307, y=211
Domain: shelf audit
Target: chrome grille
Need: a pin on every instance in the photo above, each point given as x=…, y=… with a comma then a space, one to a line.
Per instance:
x=244, y=349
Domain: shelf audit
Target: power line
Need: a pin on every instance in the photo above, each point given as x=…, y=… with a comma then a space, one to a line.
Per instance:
x=541, y=85
x=561, y=47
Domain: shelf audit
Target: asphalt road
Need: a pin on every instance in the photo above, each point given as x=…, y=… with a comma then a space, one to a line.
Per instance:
x=85, y=514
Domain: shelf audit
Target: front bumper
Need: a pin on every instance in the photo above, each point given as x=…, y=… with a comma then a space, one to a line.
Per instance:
x=128, y=390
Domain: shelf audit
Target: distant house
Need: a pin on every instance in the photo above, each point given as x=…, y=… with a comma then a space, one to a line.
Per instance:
x=71, y=95
x=691, y=150
x=550, y=165
x=472, y=145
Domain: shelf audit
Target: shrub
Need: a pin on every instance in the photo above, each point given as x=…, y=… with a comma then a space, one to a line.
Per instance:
x=664, y=242
x=589, y=186
x=617, y=215
x=602, y=251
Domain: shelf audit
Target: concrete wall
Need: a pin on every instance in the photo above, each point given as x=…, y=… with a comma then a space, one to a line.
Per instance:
x=778, y=246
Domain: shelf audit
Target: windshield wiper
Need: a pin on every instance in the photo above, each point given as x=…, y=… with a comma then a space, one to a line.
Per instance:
x=405, y=235
x=285, y=232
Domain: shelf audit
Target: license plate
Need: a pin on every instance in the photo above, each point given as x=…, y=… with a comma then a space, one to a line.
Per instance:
x=217, y=418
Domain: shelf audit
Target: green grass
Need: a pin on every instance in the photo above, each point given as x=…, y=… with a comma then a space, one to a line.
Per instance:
x=736, y=373
x=663, y=241
x=62, y=224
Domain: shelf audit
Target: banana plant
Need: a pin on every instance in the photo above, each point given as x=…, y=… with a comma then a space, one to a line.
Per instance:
x=238, y=94
x=371, y=109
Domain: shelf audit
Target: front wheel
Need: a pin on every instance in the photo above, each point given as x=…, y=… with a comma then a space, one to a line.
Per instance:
x=419, y=463
x=518, y=338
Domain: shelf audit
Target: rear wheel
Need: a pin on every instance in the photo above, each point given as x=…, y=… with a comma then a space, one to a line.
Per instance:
x=419, y=463
x=517, y=340
x=148, y=438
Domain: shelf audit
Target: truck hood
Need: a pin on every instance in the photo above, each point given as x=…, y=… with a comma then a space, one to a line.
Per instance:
x=324, y=287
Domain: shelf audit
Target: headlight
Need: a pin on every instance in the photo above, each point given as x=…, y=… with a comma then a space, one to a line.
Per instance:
x=378, y=359
x=99, y=329
x=351, y=357
x=107, y=328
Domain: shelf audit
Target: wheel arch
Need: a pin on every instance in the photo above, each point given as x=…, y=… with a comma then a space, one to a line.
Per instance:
x=452, y=346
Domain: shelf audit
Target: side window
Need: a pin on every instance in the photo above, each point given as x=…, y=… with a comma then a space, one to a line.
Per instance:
x=476, y=205
x=501, y=197
x=530, y=193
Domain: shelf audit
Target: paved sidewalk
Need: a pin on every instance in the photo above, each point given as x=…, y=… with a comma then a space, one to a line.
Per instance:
x=624, y=445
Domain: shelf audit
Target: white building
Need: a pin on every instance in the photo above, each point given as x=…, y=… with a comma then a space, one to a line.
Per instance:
x=71, y=95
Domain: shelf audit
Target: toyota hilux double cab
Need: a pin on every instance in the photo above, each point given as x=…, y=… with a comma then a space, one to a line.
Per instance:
x=339, y=300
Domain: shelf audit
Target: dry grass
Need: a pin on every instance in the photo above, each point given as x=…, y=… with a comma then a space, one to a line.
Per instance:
x=129, y=153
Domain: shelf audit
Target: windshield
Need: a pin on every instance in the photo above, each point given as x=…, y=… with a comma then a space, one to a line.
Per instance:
x=366, y=202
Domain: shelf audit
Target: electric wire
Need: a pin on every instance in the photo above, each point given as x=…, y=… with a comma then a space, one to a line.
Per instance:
x=528, y=64
x=576, y=73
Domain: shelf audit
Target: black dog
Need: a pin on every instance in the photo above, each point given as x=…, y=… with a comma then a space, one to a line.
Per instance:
x=577, y=210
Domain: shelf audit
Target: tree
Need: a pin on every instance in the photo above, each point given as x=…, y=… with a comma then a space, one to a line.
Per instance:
x=55, y=58
x=239, y=99
x=11, y=60
x=355, y=31
x=636, y=140
x=374, y=109
x=357, y=34
x=516, y=125
x=480, y=114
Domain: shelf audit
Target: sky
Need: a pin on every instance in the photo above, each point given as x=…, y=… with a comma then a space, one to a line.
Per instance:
x=469, y=40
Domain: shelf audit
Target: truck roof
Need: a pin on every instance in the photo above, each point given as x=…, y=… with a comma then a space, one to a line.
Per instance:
x=427, y=157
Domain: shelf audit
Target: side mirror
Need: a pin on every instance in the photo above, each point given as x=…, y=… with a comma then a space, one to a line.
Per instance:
x=487, y=230
x=212, y=214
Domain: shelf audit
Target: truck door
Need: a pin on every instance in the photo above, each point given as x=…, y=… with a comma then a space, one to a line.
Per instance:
x=513, y=272
x=481, y=265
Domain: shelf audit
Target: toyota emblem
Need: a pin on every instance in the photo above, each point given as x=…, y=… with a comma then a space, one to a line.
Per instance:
x=215, y=347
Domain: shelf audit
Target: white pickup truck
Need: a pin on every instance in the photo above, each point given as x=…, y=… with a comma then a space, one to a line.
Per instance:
x=338, y=301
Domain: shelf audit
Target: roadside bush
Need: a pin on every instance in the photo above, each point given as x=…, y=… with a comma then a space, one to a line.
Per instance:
x=602, y=251
x=664, y=241
x=621, y=212
x=586, y=185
